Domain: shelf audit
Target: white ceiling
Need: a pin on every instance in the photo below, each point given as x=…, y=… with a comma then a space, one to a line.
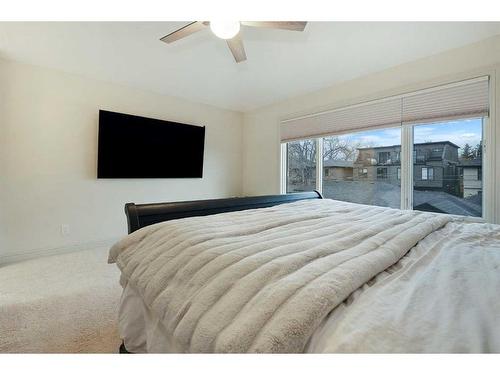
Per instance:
x=200, y=68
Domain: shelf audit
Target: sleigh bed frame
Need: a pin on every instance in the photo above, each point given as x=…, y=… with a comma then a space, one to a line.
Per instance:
x=142, y=215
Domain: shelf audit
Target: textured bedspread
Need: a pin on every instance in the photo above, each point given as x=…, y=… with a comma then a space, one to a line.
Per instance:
x=263, y=280
x=442, y=297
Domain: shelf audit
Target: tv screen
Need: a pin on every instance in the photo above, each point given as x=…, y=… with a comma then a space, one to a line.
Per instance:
x=140, y=147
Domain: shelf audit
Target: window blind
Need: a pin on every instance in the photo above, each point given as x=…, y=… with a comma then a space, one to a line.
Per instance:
x=461, y=100
x=368, y=115
x=457, y=100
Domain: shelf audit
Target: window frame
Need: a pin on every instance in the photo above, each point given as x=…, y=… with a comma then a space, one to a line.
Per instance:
x=363, y=173
x=423, y=176
x=397, y=157
x=387, y=156
x=406, y=167
x=284, y=166
x=380, y=175
x=429, y=174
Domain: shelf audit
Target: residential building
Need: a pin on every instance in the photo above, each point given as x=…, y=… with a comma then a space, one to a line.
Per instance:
x=471, y=172
x=341, y=170
x=434, y=165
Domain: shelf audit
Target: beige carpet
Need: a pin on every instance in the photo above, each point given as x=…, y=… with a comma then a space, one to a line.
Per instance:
x=60, y=304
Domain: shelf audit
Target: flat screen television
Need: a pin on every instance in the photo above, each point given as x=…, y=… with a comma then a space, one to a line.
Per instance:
x=139, y=147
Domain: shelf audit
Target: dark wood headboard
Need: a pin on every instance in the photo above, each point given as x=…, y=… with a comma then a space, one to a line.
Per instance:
x=142, y=215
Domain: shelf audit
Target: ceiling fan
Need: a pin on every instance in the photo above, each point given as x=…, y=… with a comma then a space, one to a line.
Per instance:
x=229, y=30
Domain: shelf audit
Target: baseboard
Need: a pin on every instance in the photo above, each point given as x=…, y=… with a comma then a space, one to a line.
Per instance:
x=37, y=253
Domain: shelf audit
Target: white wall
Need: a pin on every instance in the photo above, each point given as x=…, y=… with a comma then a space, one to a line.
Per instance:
x=48, y=125
x=48, y=143
x=261, y=144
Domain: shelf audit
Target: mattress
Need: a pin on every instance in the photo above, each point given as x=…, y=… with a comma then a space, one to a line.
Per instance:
x=440, y=297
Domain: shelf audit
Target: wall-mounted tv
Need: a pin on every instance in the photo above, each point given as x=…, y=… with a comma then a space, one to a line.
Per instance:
x=140, y=147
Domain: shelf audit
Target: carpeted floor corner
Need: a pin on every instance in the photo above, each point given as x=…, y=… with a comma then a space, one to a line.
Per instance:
x=60, y=304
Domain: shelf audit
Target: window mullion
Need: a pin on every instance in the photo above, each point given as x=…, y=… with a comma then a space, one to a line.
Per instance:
x=407, y=167
x=319, y=165
x=284, y=170
x=488, y=173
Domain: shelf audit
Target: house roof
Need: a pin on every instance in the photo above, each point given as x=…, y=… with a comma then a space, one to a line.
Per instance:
x=338, y=163
x=386, y=194
x=416, y=144
x=473, y=163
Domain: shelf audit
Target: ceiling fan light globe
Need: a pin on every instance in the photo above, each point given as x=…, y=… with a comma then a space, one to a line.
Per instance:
x=225, y=29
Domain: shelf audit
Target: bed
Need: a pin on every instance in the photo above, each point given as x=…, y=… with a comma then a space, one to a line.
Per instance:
x=296, y=273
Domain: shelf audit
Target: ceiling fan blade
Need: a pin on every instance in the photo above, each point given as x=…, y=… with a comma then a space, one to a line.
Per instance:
x=183, y=32
x=236, y=46
x=284, y=25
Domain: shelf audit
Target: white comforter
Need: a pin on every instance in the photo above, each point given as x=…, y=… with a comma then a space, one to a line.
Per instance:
x=442, y=297
x=263, y=280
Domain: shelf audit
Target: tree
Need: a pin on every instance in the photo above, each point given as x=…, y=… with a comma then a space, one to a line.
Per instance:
x=302, y=160
x=335, y=148
x=467, y=152
x=302, y=156
x=478, y=151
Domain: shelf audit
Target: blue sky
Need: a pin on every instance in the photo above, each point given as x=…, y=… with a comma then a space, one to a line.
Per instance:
x=458, y=132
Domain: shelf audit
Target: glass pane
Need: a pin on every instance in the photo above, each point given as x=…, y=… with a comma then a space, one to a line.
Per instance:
x=447, y=167
x=363, y=167
x=301, y=166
